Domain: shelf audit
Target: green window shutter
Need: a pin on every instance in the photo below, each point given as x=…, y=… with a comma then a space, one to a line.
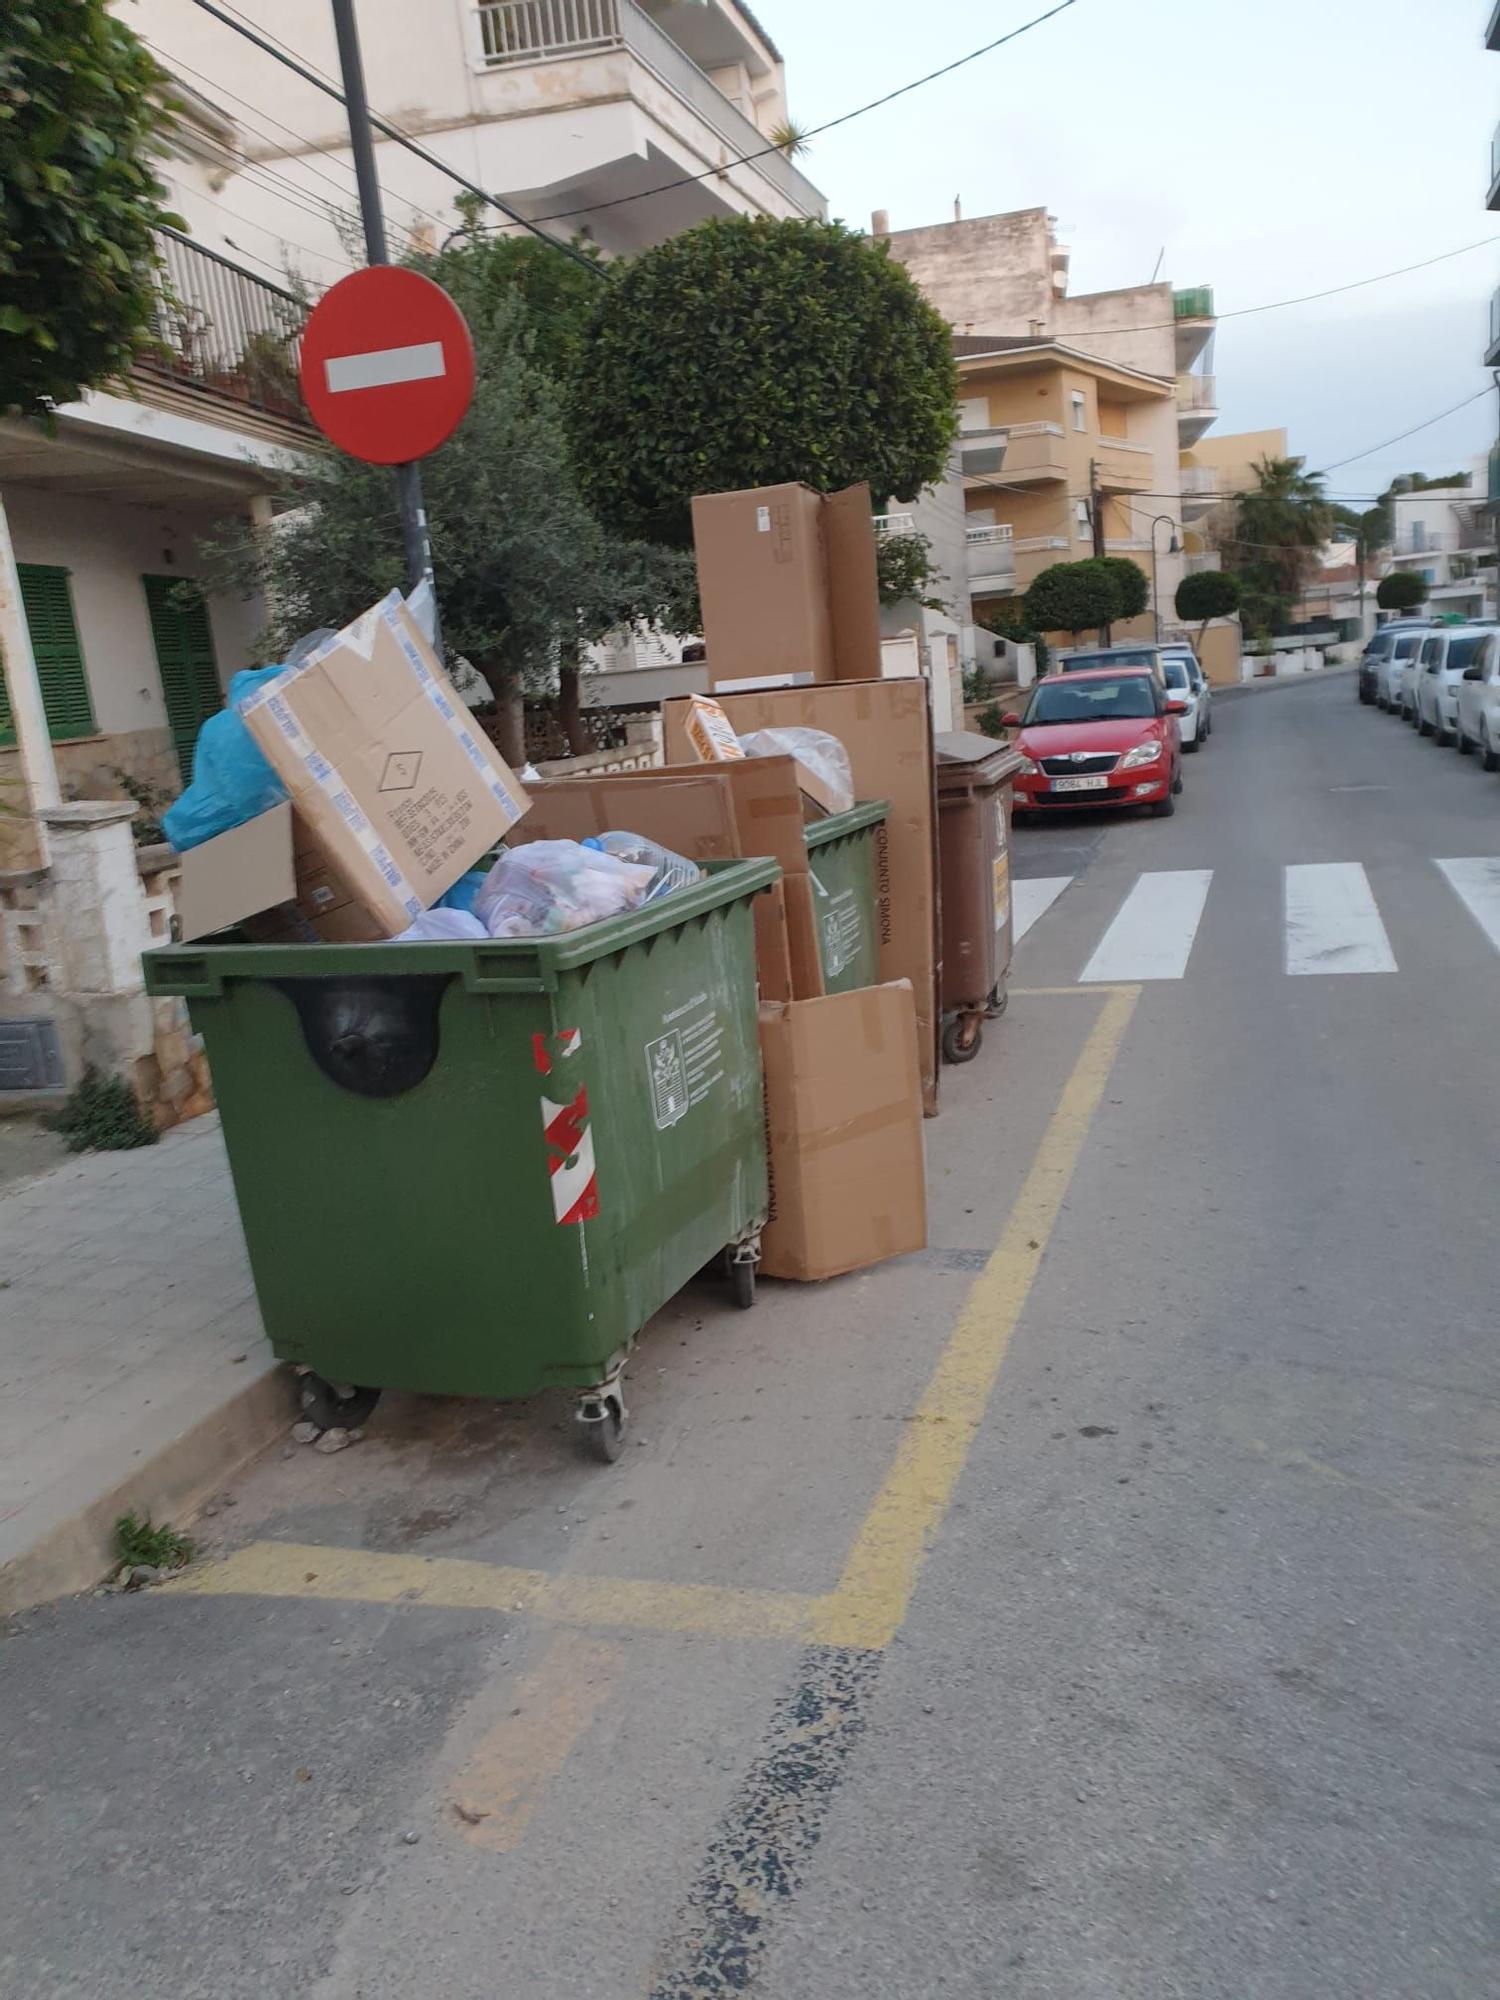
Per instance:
x=7, y=720
x=48, y=605
x=185, y=660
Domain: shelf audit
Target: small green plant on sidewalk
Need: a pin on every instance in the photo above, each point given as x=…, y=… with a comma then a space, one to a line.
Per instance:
x=140, y=1545
x=101, y=1115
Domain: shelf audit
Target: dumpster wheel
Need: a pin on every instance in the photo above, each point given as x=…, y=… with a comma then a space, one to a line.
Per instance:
x=602, y=1416
x=962, y=1036
x=740, y=1260
x=334, y=1406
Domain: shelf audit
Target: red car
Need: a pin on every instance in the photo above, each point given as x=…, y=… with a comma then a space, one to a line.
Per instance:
x=1106, y=736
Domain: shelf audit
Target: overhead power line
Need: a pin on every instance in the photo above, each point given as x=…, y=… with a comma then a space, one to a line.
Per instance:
x=762, y=152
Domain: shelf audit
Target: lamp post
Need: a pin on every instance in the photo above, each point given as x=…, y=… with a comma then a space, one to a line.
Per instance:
x=1173, y=548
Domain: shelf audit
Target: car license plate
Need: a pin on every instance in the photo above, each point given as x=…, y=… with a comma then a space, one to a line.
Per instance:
x=1099, y=784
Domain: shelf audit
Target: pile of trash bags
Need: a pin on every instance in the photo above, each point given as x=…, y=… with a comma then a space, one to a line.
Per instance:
x=545, y=887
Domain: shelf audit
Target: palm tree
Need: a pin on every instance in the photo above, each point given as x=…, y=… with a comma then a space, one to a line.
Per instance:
x=1273, y=541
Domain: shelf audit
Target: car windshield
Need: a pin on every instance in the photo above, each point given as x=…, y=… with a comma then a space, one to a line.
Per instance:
x=1461, y=652
x=1090, y=701
x=1176, y=673
x=1080, y=661
x=1406, y=645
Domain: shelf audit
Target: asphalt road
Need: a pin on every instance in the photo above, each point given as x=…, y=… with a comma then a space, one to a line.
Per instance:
x=1165, y=1666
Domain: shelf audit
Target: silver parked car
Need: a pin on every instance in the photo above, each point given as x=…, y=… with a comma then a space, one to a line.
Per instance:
x=1193, y=723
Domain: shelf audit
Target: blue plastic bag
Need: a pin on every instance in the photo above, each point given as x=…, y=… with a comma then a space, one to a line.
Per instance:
x=232, y=781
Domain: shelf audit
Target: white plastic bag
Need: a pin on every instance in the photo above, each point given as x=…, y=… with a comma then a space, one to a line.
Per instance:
x=547, y=886
x=671, y=871
x=442, y=926
x=816, y=751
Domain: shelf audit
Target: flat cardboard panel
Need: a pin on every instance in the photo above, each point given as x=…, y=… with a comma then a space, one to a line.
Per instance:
x=886, y=728
x=693, y=814
x=763, y=583
x=853, y=591
x=844, y=1119
x=237, y=873
x=766, y=794
x=394, y=785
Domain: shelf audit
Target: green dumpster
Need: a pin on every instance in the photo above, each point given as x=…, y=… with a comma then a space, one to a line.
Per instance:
x=478, y=1169
x=845, y=855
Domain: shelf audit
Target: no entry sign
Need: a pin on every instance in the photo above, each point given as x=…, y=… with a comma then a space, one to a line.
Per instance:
x=387, y=365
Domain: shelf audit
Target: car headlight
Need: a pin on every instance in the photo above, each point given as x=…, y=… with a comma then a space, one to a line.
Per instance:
x=1143, y=753
x=1028, y=766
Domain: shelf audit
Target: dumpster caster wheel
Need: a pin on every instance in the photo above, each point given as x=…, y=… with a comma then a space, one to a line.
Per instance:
x=962, y=1037
x=601, y=1412
x=999, y=1001
x=334, y=1406
x=742, y=1284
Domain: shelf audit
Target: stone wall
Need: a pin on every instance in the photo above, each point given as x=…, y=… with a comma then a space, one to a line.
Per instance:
x=86, y=770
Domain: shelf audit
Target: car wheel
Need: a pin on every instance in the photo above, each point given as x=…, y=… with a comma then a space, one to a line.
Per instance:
x=1440, y=735
x=1461, y=742
x=1177, y=782
x=1488, y=756
x=1424, y=727
x=1164, y=808
x=1189, y=748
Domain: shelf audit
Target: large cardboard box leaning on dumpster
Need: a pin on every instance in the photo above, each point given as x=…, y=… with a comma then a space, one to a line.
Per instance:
x=394, y=791
x=844, y=1122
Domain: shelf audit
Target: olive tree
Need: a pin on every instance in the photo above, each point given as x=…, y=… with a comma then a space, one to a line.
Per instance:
x=747, y=352
x=80, y=103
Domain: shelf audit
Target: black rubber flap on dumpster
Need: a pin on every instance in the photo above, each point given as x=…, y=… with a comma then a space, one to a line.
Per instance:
x=378, y=1036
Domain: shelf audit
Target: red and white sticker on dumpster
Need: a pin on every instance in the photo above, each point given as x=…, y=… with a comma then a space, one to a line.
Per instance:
x=565, y=1127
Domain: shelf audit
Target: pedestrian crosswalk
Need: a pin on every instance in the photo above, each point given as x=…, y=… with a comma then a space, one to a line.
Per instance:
x=1331, y=922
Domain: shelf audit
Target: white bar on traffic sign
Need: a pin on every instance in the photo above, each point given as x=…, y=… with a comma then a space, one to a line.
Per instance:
x=384, y=365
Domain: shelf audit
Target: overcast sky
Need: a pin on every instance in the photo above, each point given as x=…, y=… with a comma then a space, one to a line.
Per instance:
x=1272, y=149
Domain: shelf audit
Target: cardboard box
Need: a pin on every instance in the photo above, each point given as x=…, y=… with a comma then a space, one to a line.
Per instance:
x=709, y=733
x=786, y=577
x=886, y=728
x=844, y=1122
x=395, y=792
x=249, y=868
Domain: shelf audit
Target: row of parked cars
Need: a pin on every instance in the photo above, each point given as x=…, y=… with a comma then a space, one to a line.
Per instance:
x=1108, y=726
x=1442, y=679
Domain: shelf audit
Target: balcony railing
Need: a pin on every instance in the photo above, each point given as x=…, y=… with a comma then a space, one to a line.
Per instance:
x=1200, y=482
x=222, y=330
x=515, y=32
x=1196, y=392
x=990, y=535
x=1492, y=351
x=1200, y=559
x=895, y=524
x=1494, y=196
x=1196, y=302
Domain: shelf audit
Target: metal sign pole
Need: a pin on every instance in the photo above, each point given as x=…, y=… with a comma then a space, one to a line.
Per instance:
x=361, y=143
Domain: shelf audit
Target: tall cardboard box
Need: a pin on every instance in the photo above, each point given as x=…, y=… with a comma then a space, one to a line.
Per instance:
x=844, y=1123
x=886, y=727
x=786, y=577
x=394, y=791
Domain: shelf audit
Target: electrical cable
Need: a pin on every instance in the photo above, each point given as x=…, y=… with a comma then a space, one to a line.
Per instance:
x=761, y=153
x=401, y=138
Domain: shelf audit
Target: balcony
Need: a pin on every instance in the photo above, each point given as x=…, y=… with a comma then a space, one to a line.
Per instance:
x=581, y=43
x=1200, y=490
x=1492, y=350
x=1124, y=465
x=221, y=333
x=1029, y=453
x=1193, y=316
x=1492, y=485
x=992, y=561
x=1197, y=407
x=1492, y=200
x=895, y=524
x=1200, y=559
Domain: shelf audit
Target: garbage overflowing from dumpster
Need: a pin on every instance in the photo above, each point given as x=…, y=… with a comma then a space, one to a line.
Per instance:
x=594, y=1035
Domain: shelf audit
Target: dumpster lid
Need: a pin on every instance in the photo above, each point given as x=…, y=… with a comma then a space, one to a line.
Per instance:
x=965, y=748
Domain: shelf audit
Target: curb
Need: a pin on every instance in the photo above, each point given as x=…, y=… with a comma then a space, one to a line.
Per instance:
x=1267, y=681
x=77, y=1550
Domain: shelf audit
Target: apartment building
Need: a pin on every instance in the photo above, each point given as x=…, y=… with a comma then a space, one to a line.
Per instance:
x=570, y=110
x=1447, y=535
x=1123, y=375
x=1213, y=470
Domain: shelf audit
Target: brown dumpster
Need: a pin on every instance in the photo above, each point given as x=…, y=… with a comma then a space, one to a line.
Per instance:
x=974, y=775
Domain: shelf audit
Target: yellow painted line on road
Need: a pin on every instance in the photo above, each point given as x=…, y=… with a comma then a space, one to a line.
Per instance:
x=867, y=1606
x=553, y=1708
x=1092, y=991
x=365, y=1576
x=870, y=1602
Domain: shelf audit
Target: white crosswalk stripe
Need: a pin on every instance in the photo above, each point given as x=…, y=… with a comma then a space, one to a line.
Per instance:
x=1475, y=880
x=1332, y=923
x=1153, y=931
x=1033, y=899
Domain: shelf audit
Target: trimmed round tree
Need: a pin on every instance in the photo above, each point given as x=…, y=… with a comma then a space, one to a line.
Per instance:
x=1206, y=594
x=80, y=102
x=747, y=352
x=1073, y=597
x=1135, y=591
x=1402, y=590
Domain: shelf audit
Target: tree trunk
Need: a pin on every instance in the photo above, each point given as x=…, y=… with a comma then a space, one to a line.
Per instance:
x=570, y=709
x=509, y=729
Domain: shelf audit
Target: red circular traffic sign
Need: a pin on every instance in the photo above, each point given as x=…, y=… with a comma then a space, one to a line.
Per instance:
x=387, y=365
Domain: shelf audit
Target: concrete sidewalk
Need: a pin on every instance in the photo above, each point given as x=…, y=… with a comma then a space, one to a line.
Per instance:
x=133, y=1369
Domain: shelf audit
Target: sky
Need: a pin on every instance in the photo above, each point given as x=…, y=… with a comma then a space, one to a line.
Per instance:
x=1269, y=150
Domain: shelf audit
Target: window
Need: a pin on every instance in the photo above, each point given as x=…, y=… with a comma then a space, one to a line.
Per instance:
x=1418, y=537
x=48, y=604
x=185, y=661
x=974, y=413
x=1080, y=410
x=1081, y=516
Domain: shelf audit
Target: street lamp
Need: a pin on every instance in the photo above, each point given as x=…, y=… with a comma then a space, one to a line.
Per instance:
x=1173, y=548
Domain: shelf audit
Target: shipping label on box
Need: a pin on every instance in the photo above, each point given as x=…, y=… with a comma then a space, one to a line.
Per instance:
x=388, y=774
